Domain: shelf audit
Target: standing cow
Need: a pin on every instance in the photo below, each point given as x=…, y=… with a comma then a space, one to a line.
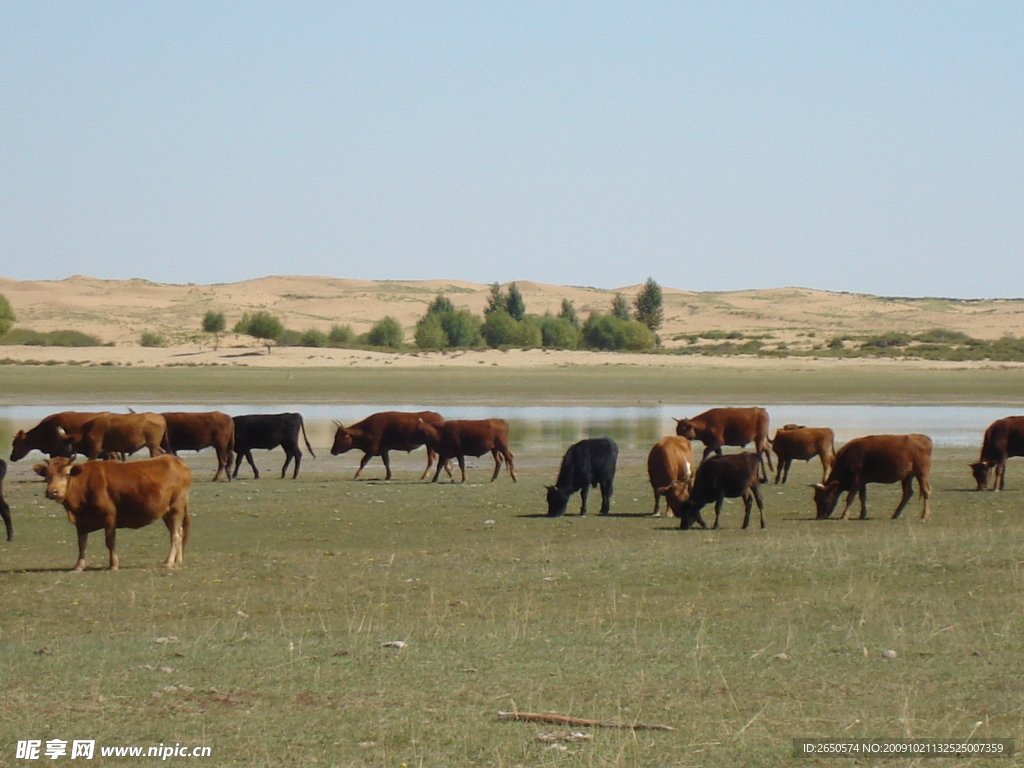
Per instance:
x=107, y=495
x=462, y=438
x=109, y=434
x=588, y=463
x=188, y=431
x=267, y=431
x=380, y=433
x=718, y=478
x=729, y=426
x=877, y=459
x=5, y=509
x=49, y=436
x=1004, y=438
x=803, y=443
x=669, y=461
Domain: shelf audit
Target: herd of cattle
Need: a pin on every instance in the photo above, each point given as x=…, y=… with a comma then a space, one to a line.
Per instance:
x=112, y=494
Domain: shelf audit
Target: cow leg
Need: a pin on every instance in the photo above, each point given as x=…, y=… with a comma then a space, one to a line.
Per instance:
x=430, y=460
x=298, y=460
x=657, y=502
x=764, y=451
x=287, y=461
x=387, y=464
x=849, y=501
x=748, y=502
x=780, y=464
x=173, y=522
x=718, y=510
x=926, y=494
x=606, y=497
x=908, y=491
x=83, y=539
x=583, y=495
x=863, y=501
x=497, y=463
x=510, y=464
x=366, y=458
x=462, y=467
x=1000, y=479
x=760, y=503
x=247, y=455
x=110, y=534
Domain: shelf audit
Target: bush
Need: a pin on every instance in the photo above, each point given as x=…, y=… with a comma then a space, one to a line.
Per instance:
x=527, y=334
x=430, y=333
x=498, y=329
x=6, y=315
x=50, y=338
x=313, y=338
x=462, y=328
x=612, y=333
x=261, y=325
x=340, y=336
x=151, y=339
x=386, y=333
x=559, y=333
x=649, y=305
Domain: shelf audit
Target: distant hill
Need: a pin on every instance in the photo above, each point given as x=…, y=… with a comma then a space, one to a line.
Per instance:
x=120, y=311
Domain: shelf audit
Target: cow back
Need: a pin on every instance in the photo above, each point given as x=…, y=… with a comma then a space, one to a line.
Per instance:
x=881, y=459
x=588, y=462
x=187, y=431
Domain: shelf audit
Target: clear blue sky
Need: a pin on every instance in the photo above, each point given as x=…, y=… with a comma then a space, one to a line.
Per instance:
x=871, y=147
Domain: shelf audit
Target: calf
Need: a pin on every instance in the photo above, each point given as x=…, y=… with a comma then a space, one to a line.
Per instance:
x=729, y=426
x=877, y=459
x=380, y=433
x=732, y=476
x=587, y=464
x=804, y=443
x=5, y=510
x=1004, y=438
x=102, y=495
x=267, y=431
x=669, y=461
x=459, y=439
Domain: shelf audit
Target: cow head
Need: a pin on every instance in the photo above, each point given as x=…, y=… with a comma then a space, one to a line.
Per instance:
x=558, y=500
x=57, y=472
x=825, y=498
x=342, y=440
x=979, y=470
x=20, y=446
x=684, y=428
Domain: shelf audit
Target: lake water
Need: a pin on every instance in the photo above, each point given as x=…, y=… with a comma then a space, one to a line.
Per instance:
x=633, y=428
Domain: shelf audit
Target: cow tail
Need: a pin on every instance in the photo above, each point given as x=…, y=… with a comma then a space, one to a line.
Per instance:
x=165, y=444
x=309, y=447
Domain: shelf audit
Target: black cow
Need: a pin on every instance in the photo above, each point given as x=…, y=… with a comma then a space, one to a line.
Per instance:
x=268, y=431
x=734, y=476
x=588, y=463
x=5, y=510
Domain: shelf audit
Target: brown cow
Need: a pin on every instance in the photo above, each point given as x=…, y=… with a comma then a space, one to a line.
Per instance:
x=380, y=433
x=5, y=509
x=669, y=461
x=196, y=431
x=459, y=439
x=45, y=436
x=1004, y=438
x=877, y=459
x=729, y=426
x=112, y=433
x=718, y=478
x=101, y=495
x=796, y=442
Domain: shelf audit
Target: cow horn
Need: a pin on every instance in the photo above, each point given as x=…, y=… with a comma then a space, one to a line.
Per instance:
x=815, y=485
x=338, y=424
x=61, y=432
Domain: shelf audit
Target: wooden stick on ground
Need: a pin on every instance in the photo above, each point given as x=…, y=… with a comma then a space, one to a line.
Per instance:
x=537, y=717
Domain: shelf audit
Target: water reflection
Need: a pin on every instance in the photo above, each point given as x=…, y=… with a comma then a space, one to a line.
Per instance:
x=633, y=428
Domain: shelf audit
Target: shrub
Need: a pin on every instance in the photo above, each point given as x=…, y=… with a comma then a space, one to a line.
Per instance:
x=610, y=332
x=260, y=325
x=569, y=313
x=515, y=305
x=620, y=307
x=6, y=315
x=648, y=305
x=151, y=339
x=386, y=333
x=559, y=333
x=527, y=334
x=430, y=333
x=313, y=338
x=461, y=327
x=498, y=330
x=340, y=336
x=50, y=338
x=440, y=305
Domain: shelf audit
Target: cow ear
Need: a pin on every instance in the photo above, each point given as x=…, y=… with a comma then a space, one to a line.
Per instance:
x=40, y=469
x=21, y=434
x=816, y=485
x=676, y=420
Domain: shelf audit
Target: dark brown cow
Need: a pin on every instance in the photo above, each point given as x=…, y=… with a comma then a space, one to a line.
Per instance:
x=380, y=433
x=729, y=426
x=877, y=459
x=804, y=443
x=459, y=439
x=669, y=461
x=718, y=478
x=45, y=436
x=107, y=495
x=5, y=509
x=125, y=433
x=1004, y=438
x=196, y=431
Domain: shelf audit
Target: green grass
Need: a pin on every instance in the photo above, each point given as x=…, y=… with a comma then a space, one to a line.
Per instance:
x=609, y=384
x=742, y=640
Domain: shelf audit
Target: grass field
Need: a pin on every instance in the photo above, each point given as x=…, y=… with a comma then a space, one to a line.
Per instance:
x=267, y=645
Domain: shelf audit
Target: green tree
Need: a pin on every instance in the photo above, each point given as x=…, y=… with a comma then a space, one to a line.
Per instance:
x=214, y=322
x=313, y=338
x=387, y=332
x=648, y=305
x=440, y=305
x=515, y=305
x=461, y=327
x=569, y=313
x=496, y=300
x=527, y=334
x=6, y=315
x=620, y=307
x=261, y=325
x=498, y=329
x=340, y=336
x=430, y=333
x=559, y=333
x=612, y=333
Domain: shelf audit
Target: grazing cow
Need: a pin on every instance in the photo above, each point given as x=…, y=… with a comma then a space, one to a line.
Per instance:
x=5, y=509
x=380, y=433
x=102, y=495
x=670, y=461
x=729, y=426
x=795, y=442
x=459, y=439
x=1004, y=438
x=46, y=435
x=196, y=431
x=267, y=431
x=877, y=459
x=588, y=463
x=732, y=476
x=120, y=433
